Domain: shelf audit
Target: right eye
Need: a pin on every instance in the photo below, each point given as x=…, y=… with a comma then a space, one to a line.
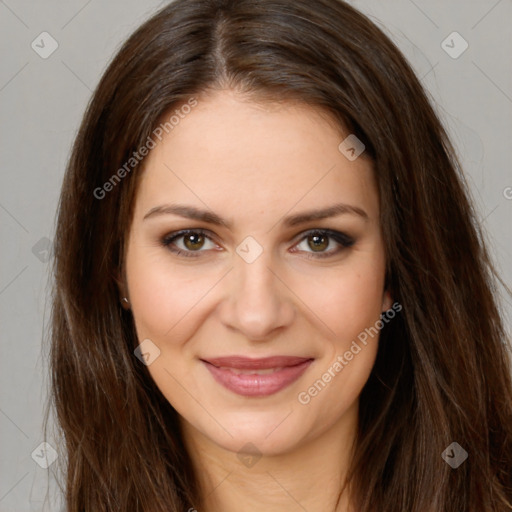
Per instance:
x=187, y=242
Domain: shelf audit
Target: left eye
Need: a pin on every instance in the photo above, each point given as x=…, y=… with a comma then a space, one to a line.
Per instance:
x=324, y=243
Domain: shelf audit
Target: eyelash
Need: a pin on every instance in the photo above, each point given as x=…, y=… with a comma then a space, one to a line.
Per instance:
x=342, y=239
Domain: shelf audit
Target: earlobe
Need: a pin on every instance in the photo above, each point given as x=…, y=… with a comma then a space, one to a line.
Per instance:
x=123, y=295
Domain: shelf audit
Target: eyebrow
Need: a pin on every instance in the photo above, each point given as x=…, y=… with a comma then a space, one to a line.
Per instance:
x=208, y=216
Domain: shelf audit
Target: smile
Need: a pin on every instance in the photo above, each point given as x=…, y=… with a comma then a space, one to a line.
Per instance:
x=256, y=377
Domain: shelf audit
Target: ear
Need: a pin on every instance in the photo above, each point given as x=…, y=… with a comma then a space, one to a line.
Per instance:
x=387, y=301
x=123, y=290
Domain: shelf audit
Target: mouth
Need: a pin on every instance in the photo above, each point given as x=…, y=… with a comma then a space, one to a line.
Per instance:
x=256, y=377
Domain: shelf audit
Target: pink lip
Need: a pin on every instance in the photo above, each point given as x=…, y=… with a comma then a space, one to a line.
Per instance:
x=223, y=370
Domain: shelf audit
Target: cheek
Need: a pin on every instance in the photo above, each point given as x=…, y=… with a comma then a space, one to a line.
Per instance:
x=163, y=297
x=346, y=300
x=352, y=309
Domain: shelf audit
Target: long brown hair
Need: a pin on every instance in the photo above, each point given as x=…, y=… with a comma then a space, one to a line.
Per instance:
x=442, y=372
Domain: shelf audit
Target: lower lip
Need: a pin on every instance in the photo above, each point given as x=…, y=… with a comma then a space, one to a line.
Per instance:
x=257, y=385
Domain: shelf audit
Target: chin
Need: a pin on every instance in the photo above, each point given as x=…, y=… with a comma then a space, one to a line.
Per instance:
x=270, y=432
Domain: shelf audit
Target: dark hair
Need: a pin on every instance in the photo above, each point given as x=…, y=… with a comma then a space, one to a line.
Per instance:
x=442, y=372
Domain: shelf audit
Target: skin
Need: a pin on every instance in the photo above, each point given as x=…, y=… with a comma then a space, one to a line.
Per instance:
x=253, y=165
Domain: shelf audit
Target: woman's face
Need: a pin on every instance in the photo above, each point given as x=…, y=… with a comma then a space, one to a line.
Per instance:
x=256, y=310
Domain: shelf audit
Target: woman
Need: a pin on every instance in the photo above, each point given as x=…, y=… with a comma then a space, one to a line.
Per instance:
x=271, y=292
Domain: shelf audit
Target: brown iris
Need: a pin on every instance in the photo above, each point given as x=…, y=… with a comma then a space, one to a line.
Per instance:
x=193, y=241
x=318, y=242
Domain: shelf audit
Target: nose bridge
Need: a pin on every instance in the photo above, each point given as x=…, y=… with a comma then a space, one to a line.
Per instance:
x=255, y=284
x=258, y=304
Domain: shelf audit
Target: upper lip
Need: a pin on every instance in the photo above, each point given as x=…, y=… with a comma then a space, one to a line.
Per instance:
x=246, y=363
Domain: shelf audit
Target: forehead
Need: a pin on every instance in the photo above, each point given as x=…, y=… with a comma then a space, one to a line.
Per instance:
x=229, y=152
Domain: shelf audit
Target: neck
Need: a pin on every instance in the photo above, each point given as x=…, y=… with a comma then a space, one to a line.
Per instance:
x=311, y=477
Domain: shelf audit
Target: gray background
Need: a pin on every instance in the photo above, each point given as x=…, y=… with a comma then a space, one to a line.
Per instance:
x=41, y=104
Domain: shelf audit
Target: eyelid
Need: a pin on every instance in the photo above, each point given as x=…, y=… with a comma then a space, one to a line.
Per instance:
x=343, y=240
x=338, y=236
x=173, y=235
x=168, y=239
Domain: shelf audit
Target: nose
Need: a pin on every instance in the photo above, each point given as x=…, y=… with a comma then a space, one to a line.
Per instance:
x=258, y=303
